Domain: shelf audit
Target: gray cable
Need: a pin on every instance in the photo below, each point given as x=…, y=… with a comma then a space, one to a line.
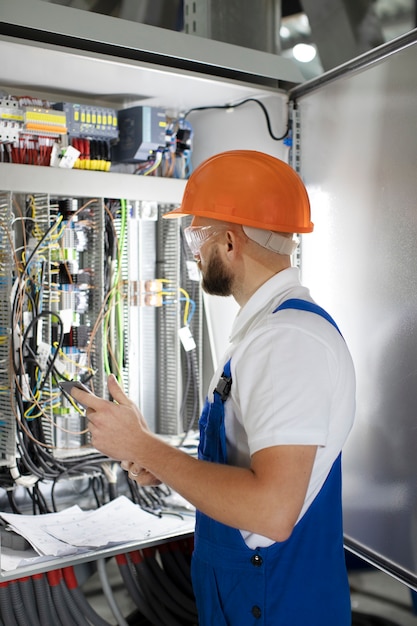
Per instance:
x=72, y=606
x=46, y=608
x=28, y=599
x=107, y=590
x=79, y=598
x=136, y=593
x=6, y=607
x=86, y=608
x=17, y=603
x=61, y=606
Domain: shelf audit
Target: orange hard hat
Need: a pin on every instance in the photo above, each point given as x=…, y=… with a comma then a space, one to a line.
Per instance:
x=249, y=188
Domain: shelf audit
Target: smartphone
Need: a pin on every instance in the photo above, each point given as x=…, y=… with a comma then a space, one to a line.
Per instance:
x=67, y=386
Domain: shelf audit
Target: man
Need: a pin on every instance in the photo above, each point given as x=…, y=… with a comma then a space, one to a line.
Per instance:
x=267, y=484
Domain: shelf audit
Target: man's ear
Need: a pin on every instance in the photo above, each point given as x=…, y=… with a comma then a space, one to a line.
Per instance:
x=230, y=240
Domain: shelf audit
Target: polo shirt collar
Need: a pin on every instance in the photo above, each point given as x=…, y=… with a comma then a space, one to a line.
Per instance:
x=267, y=293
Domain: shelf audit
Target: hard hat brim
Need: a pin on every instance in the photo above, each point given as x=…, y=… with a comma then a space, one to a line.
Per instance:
x=178, y=212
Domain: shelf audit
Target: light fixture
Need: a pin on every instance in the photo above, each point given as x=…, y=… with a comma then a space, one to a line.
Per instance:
x=304, y=52
x=284, y=32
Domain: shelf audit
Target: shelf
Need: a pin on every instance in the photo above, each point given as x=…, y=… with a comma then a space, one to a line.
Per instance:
x=176, y=57
x=62, y=53
x=93, y=555
x=62, y=182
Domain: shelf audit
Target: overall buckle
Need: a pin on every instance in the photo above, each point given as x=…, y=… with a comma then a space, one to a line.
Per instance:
x=224, y=386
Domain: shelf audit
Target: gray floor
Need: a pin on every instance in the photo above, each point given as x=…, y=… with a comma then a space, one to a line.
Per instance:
x=373, y=592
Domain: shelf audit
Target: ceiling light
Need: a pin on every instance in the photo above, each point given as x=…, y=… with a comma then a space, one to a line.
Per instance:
x=304, y=52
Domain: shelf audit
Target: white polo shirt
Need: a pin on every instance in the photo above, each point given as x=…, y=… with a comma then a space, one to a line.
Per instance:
x=293, y=382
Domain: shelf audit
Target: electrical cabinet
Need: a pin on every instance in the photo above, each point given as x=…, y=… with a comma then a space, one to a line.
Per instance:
x=97, y=281
x=353, y=137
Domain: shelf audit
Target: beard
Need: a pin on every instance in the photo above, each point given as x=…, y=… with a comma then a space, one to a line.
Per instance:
x=216, y=280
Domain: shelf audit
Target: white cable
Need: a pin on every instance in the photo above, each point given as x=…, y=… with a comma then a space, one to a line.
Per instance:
x=26, y=481
x=107, y=590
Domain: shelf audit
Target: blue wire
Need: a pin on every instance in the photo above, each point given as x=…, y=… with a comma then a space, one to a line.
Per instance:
x=183, y=299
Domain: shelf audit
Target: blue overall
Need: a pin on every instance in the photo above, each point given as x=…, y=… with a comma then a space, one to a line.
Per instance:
x=298, y=582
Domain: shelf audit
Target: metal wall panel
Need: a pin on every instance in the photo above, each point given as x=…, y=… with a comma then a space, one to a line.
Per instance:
x=359, y=161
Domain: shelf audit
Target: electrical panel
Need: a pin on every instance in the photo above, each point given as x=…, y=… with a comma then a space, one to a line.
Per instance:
x=138, y=140
x=71, y=309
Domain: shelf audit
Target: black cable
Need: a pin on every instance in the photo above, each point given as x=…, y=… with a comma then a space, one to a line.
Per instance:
x=46, y=466
x=176, y=571
x=40, y=500
x=12, y=501
x=234, y=106
x=172, y=589
x=36, y=248
x=164, y=614
x=28, y=333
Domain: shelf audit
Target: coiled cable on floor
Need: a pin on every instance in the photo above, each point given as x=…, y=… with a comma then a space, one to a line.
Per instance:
x=17, y=603
x=107, y=590
x=167, y=590
x=72, y=606
x=175, y=564
x=54, y=580
x=184, y=599
x=23, y=600
x=6, y=606
x=28, y=598
x=134, y=589
x=80, y=600
x=46, y=608
x=160, y=604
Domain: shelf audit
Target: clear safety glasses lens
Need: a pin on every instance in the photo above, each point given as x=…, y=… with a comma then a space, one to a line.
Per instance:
x=196, y=236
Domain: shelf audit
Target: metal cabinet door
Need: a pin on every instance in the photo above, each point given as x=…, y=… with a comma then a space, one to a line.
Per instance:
x=358, y=156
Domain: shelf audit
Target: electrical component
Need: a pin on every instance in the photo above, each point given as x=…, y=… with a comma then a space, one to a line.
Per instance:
x=38, y=132
x=142, y=134
x=91, y=131
x=37, y=120
x=92, y=122
x=11, y=120
x=29, y=128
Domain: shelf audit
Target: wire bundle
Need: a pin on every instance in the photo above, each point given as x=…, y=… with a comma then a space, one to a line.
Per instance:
x=37, y=346
x=159, y=582
x=51, y=599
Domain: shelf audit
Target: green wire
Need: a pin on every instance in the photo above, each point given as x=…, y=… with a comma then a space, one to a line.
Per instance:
x=119, y=307
x=118, y=300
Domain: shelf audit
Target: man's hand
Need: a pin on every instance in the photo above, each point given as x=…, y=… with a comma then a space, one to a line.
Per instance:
x=140, y=475
x=118, y=429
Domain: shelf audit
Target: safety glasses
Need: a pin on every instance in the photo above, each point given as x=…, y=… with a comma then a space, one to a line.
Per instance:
x=196, y=236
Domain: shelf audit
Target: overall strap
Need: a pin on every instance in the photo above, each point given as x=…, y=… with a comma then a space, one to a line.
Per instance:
x=225, y=383
x=305, y=305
